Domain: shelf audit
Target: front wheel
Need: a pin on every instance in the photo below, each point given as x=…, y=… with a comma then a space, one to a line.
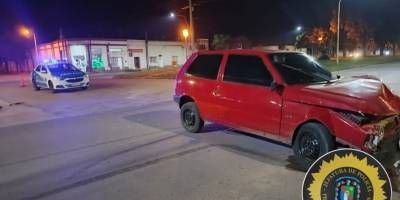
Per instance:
x=37, y=88
x=51, y=87
x=312, y=141
x=190, y=118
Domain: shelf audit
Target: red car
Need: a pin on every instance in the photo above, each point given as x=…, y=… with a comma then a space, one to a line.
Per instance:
x=287, y=96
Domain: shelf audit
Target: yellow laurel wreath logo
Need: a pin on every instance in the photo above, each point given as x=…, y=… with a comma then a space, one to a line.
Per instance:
x=352, y=161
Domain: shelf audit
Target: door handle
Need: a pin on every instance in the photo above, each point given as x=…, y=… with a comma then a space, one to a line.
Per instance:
x=215, y=92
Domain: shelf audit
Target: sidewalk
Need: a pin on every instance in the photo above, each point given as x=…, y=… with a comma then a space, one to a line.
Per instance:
x=14, y=77
x=108, y=75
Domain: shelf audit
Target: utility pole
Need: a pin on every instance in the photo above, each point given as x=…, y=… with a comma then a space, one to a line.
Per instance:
x=192, y=36
x=338, y=32
x=36, y=47
x=146, y=44
x=61, y=44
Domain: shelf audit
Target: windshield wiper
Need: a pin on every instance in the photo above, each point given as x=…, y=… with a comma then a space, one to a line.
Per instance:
x=310, y=74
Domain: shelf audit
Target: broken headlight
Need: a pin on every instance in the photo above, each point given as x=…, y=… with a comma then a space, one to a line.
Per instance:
x=373, y=141
x=357, y=117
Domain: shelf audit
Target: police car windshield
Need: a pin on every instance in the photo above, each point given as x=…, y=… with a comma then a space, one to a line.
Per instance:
x=62, y=68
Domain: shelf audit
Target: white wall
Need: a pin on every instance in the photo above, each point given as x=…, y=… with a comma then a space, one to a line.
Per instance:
x=165, y=51
x=121, y=54
x=137, y=47
x=79, y=57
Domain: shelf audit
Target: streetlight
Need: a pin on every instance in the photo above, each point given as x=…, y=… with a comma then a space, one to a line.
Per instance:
x=27, y=33
x=190, y=7
x=174, y=15
x=298, y=32
x=338, y=32
x=185, y=33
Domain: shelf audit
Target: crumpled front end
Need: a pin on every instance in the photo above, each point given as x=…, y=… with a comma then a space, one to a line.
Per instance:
x=383, y=142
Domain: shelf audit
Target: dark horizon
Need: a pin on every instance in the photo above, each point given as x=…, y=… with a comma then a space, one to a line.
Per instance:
x=258, y=20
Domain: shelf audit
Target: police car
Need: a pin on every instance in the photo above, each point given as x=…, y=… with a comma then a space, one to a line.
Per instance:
x=59, y=75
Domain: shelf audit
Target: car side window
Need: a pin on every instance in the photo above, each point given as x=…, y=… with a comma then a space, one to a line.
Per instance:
x=247, y=69
x=37, y=69
x=205, y=66
x=43, y=69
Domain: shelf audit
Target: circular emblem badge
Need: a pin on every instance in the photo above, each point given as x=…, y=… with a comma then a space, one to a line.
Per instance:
x=347, y=174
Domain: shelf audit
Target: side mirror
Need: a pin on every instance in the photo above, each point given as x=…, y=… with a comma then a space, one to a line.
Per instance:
x=338, y=76
x=276, y=86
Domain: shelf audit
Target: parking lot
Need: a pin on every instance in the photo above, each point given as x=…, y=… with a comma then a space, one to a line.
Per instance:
x=122, y=139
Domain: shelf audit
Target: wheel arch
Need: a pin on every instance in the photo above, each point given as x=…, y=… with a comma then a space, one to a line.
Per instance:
x=296, y=130
x=185, y=99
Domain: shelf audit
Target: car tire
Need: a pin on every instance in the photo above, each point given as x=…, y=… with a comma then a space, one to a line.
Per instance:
x=37, y=88
x=312, y=141
x=51, y=87
x=84, y=88
x=190, y=118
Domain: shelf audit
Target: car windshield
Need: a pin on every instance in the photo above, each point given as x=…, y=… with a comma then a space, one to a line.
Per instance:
x=298, y=68
x=62, y=68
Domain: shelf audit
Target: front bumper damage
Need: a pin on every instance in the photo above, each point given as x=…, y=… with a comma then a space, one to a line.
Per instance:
x=383, y=143
x=389, y=156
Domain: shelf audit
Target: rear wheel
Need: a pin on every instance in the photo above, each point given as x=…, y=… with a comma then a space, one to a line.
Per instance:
x=312, y=141
x=190, y=118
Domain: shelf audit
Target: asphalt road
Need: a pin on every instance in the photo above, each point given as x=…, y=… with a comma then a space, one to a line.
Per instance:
x=122, y=139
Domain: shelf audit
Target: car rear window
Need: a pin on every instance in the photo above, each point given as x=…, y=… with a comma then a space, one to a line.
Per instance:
x=248, y=70
x=205, y=66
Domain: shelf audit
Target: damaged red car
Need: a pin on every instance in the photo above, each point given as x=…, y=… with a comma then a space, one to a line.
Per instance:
x=289, y=97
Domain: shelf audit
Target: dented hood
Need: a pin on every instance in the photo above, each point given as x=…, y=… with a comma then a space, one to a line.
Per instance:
x=358, y=94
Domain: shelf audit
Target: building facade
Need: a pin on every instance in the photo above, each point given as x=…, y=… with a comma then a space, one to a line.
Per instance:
x=115, y=55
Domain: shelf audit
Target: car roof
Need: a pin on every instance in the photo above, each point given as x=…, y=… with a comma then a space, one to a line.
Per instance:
x=55, y=63
x=245, y=51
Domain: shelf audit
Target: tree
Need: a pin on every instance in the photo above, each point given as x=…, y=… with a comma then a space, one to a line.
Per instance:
x=301, y=40
x=221, y=41
x=240, y=42
x=318, y=37
x=371, y=45
x=353, y=34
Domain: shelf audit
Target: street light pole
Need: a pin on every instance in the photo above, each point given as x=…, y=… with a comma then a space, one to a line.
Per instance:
x=338, y=32
x=36, y=46
x=185, y=34
x=191, y=28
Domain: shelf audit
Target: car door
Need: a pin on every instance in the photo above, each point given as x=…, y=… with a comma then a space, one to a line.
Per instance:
x=201, y=80
x=39, y=77
x=246, y=94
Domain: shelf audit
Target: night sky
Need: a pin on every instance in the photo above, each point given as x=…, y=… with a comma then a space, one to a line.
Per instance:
x=259, y=20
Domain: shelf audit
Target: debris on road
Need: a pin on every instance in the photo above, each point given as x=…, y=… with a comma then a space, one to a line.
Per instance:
x=16, y=103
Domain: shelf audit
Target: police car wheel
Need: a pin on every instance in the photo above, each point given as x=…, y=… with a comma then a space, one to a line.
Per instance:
x=37, y=88
x=85, y=88
x=51, y=87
